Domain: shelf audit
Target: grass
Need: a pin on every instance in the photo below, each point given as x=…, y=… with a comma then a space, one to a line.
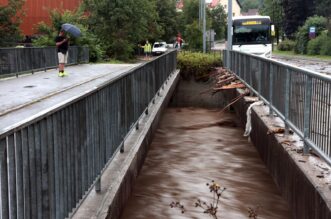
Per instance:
x=291, y=54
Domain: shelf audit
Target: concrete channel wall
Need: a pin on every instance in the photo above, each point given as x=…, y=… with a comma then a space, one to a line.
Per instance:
x=308, y=196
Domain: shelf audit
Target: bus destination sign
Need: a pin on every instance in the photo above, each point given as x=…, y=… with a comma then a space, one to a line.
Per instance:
x=247, y=23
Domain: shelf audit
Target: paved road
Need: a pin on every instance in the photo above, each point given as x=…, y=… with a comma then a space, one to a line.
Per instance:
x=27, y=96
x=316, y=65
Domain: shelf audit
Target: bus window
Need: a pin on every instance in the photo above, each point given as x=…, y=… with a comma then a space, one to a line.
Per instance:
x=252, y=34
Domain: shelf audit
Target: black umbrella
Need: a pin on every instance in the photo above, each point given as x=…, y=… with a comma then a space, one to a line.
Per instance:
x=72, y=29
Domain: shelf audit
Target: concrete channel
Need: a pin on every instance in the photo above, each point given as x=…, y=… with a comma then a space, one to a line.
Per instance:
x=304, y=182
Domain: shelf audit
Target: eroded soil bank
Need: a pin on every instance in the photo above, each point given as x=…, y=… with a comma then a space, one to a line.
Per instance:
x=192, y=147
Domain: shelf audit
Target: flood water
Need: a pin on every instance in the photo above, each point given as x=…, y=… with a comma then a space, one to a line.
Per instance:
x=192, y=147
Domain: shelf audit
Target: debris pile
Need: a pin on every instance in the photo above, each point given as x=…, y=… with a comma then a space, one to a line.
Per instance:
x=226, y=80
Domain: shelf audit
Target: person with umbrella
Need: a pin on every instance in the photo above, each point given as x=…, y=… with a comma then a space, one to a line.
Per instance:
x=62, y=44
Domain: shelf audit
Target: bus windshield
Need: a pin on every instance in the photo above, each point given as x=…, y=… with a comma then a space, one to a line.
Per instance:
x=251, y=34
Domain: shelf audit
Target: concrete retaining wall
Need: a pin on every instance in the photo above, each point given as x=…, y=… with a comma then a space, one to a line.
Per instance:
x=119, y=177
x=308, y=196
x=189, y=93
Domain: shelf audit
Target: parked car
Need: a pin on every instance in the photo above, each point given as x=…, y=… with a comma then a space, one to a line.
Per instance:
x=159, y=48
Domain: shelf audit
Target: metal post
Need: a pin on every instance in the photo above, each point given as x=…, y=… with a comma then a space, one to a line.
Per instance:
x=271, y=89
x=287, y=100
x=200, y=13
x=204, y=26
x=229, y=41
x=260, y=77
x=97, y=185
x=306, y=122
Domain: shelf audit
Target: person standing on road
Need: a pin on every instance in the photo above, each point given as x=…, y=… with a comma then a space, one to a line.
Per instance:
x=62, y=44
x=147, y=49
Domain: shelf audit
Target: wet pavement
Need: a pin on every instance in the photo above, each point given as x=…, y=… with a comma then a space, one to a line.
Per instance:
x=17, y=92
x=25, y=98
x=192, y=147
x=320, y=66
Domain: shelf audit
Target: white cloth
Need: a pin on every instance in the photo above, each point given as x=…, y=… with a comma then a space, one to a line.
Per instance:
x=248, y=128
x=63, y=58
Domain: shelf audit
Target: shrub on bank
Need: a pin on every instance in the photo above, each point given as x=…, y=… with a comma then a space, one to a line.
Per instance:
x=321, y=45
x=302, y=36
x=197, y=65
x=286, y=45
x=314, y=46
x=326, y=46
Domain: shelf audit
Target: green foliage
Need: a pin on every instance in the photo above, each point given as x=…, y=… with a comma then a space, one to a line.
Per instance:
x=323, y=9
x=321, y=45
x=197, y=65
x=120, y=25
x=274, y=9
x=314, y=45
x=193, y=36
x=10, y=19
x=191, y=11
x=286, y=45
x=166, y=10
x=295, y=14
x=218, y=21
x=302, y=36
x=326, y=46
x=48, y=33
x=250, y=4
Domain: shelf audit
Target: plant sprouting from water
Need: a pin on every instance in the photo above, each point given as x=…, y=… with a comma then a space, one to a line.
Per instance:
x=212, y=207
x=253, y=212
x=208, y=208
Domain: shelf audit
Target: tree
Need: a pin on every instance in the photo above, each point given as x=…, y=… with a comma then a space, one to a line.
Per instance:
x=323, y=9
x=166, y=10
x=249, y=4
x=295, y=14
x=192, y=32
x=10, y=20
x=121, y=24
x=193, y=36
x=191, y=11
x=49, y=32
x=274, y=9
x=218, y=21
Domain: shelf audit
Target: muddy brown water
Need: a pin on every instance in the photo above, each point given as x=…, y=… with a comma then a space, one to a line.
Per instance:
x=193, y=146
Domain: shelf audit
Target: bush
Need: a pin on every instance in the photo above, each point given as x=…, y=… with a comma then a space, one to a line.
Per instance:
x=314, y=46
x=89, y=39
x=286, y=45
x=193, y=36
x=197, y=65
x=302, y=36
x=326, y=46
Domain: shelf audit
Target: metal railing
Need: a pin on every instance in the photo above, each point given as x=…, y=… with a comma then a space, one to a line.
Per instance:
x=301, y=98
x=31, y=59
x=50, y=162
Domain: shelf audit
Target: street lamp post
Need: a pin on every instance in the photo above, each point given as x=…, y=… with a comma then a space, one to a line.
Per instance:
x=229, y=41
x=204, y=26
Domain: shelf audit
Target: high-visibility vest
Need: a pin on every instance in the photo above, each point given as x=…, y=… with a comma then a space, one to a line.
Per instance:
x=147, y=47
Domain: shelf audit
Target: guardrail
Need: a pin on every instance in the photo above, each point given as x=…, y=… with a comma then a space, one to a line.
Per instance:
x=31, y=59
x=49, y=163
x=301, y=98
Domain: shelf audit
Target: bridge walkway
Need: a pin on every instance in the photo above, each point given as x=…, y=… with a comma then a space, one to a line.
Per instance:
x=29, y=95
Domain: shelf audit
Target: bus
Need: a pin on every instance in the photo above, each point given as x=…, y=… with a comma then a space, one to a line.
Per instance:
x=252, y=34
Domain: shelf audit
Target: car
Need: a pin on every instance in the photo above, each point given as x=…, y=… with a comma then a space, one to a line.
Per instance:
x=159, y=48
